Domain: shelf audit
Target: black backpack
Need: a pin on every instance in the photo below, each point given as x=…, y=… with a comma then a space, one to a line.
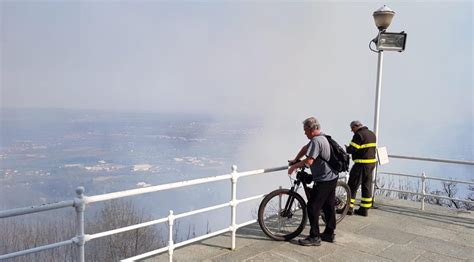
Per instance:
x=339, y=160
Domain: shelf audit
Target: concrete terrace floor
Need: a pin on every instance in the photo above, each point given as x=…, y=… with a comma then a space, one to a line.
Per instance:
x=397, y=231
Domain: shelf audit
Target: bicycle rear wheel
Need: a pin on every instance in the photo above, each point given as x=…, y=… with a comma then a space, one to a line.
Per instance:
x=278, y=223
x=343, y=198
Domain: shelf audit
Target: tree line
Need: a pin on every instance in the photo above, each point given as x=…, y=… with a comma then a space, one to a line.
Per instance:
x=447, y=189
x=20, y=233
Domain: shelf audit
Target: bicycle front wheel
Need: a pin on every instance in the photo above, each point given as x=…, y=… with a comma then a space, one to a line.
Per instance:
x=282, y=215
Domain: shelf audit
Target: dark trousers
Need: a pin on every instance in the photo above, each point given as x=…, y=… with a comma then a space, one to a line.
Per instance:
x=323, y=197
x=361, y=175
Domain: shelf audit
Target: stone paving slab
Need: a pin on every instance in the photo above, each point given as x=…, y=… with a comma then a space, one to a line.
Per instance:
x=441, y=247
x=364, y=244
x=346, y=254
x=398, y=252
x=433, y=257
x=307, y=253
x=388, y=234
x=464, y=238
x=395, y=231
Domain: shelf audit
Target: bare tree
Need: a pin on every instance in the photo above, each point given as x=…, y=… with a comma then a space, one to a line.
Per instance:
x=117, y=214
x=435, y=200
x=450, y=188
x=19, y=234
x=470, y=196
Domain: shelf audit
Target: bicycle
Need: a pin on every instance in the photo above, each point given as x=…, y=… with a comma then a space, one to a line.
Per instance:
x=282, y=213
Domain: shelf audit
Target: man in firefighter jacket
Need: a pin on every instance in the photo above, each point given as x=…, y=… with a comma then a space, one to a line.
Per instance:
x=362, y=148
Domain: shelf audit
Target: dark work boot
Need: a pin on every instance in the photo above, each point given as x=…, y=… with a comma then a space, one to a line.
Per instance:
x=362, y=211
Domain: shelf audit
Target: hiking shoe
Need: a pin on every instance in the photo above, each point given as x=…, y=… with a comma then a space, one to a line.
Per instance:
x=328, y=237
x=361, y=212
x=310, y=241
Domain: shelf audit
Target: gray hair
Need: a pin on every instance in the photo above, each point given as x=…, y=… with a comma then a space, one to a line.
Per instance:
x=311, y=124
x=356, y=123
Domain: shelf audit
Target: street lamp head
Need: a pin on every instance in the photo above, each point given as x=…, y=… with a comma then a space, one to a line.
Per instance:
x=383, y=17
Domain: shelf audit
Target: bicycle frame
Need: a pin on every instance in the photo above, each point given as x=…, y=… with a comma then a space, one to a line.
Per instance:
x=301, y=175
x=301, y=178
x=291, y=216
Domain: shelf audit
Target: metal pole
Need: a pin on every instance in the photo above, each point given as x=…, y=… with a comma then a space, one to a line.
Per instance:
x=233, y=204
x=430, y=159
x=80, y=205
x=378, y=92
x=170, y=236
x=423, y=189
x=34, y=209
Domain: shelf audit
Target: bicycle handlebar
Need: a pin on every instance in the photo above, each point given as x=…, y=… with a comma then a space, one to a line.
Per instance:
x=290, y=164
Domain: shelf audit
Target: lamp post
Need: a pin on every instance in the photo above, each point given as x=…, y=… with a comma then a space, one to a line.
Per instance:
x=383, y=18
x=384, y=41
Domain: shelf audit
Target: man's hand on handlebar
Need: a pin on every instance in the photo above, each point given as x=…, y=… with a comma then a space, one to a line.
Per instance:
x=292, y=162
x=293, y=166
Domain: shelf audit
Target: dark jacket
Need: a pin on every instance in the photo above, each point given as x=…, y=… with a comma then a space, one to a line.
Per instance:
x=363, y=146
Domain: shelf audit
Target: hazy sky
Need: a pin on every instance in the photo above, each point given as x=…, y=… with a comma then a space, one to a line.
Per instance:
x=281, y=61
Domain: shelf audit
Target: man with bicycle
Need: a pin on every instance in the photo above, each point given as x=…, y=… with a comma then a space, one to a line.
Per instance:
x=317, y=152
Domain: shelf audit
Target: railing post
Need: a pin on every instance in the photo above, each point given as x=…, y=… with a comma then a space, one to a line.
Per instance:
x=80, y=206
x=170, y=236
x=233, y=204
x=423, y=189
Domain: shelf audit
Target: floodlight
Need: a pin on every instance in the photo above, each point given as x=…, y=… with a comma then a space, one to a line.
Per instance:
x=391, y=41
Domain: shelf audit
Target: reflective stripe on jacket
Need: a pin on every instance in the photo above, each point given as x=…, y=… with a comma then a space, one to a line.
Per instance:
x=363, y=146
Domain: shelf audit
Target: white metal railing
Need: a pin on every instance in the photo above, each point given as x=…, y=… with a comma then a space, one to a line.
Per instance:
x=80, y=202
x=424, y=177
